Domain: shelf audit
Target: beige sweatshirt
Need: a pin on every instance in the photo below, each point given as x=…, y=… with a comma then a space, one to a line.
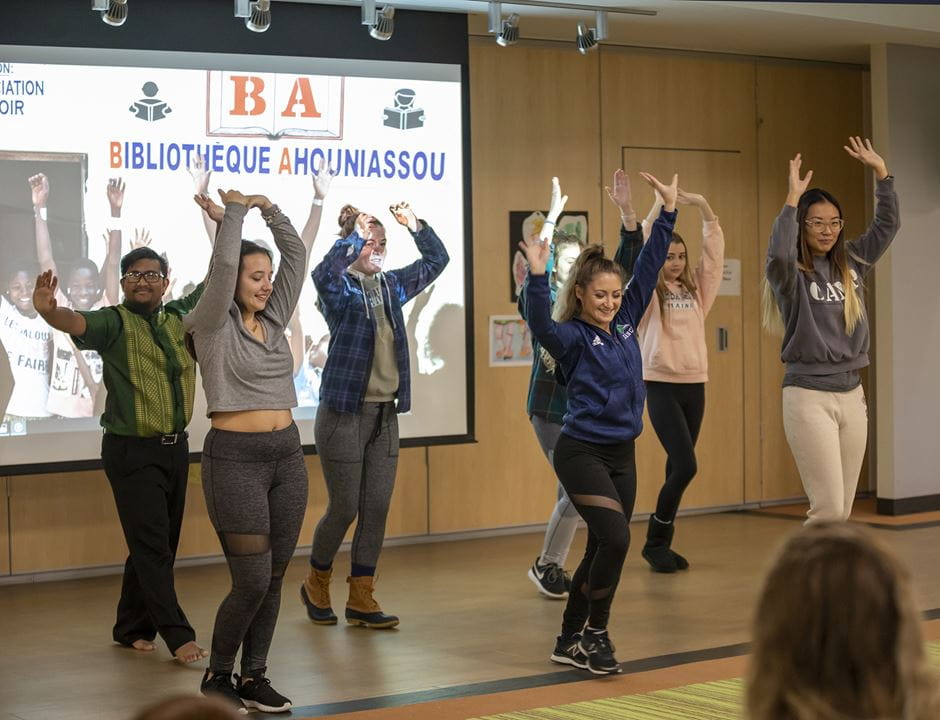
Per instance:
x=675, y=351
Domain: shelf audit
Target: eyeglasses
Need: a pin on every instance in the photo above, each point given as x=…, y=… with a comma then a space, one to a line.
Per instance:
x=151, y=276
x=820, y=225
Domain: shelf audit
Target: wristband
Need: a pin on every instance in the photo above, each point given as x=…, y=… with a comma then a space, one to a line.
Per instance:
x=548, y=222
x=317, y=201
x=41, y=213
x=269, y=214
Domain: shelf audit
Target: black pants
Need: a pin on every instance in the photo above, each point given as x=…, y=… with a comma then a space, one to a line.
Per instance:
x=601, y=482
x=676, y=411
x=148, y=480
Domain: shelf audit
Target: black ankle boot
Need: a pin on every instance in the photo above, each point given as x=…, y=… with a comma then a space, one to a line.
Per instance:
x=656, y=551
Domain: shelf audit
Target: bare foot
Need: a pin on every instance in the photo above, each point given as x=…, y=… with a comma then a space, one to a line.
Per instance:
x=190, y=652
x=143, y=645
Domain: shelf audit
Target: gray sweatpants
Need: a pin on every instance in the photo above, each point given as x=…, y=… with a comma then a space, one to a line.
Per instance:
x=256, y=492
x=564, y=520
x=359, y=456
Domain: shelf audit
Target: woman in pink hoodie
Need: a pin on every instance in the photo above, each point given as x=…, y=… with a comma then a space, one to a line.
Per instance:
x=675, y=368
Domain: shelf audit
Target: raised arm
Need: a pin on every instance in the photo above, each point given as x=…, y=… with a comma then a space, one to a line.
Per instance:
x=653, y=213
x=111, y=269
x=782, y=251
x=555, y=338
x=39, y=189
x=59, y=318
x=653, y=255
x=322, y=177
x=329, y=274
x=289, y=280
x=887, y=221
x=201, y=175
x=213, y=307
x=413, y=278
x=631, y=235
x=711, y=263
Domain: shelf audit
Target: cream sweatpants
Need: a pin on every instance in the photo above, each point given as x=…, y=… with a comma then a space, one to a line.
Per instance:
x=827, y=433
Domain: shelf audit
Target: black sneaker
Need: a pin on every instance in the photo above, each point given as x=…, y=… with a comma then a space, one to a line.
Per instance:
x=259, y=694
x=600, y=652
x=220, y=686
x=568, y=652
x=550, y=580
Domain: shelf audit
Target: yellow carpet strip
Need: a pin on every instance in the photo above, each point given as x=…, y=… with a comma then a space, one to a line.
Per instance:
x=718, y=700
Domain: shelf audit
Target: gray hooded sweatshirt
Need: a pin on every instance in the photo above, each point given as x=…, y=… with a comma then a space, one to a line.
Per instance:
x=818, y=353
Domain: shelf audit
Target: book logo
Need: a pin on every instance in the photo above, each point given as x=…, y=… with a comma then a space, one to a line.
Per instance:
x=150, y=108
x=403, y=116
x=275, y=105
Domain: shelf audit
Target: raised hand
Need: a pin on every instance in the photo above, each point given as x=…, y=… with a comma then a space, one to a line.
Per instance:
x=141, y=238
x=796, y=186
x=363, y=226
x=699, y=201
x=233, y=196
x=215, y=211
x=258, y=201
x=115, y=192
x=405, y=215
x=557, y=202
x=669, y=192
x=865, y=154
x=199, y=174
x=621, y=194
x=39, y=186
x=537, y=253
x=44, y=293
x=321, y=179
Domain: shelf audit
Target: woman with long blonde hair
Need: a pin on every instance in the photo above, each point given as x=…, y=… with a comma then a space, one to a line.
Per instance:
x=592, y=337
x=817, y=656
x=818, y=298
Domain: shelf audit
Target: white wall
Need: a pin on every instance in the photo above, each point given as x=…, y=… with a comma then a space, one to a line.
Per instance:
x=906, y=127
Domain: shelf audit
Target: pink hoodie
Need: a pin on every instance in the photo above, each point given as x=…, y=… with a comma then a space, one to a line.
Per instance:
x=676, y=351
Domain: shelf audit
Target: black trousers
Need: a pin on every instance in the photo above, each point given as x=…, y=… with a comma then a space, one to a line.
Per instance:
x=601, y=482
x=148, y=480
x=676, y=411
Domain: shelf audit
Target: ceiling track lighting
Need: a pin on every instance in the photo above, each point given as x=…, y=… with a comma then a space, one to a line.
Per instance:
x=384, y=24
x=113, y=12
x=260, y=18
x=588, y=38
x=509, y=31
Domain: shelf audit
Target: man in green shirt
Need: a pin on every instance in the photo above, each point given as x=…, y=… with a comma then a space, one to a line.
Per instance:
x=150, y=381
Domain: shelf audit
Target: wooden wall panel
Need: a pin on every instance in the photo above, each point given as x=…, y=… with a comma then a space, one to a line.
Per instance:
x=4, y=528
x=811, y=109
x=646, y=100
x=534, y=114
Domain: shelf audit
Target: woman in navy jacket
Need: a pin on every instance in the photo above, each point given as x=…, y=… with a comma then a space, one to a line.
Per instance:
x=591, y=338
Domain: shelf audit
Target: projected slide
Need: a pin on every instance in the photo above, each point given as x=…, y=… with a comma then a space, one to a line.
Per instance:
x=102, y=151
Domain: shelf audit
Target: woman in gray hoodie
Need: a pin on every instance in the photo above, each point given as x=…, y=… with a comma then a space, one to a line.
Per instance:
x=816, y=277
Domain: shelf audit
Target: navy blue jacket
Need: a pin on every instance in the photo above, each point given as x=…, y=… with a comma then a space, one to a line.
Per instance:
x=603, y=371
x=352, y=326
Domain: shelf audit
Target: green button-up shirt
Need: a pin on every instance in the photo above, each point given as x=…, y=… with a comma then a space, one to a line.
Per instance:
x=149, y=375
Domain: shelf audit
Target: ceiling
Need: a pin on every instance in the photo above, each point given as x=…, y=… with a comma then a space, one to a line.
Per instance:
x=834, y=32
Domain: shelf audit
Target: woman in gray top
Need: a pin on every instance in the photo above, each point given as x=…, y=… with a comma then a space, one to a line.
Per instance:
x=817, y=277
x=253, y=472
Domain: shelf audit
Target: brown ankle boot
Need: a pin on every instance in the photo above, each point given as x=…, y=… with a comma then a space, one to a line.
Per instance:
x=315, y=593
x=362, y=609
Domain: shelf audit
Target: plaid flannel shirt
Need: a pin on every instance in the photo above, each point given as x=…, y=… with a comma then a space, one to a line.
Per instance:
x=352, y=327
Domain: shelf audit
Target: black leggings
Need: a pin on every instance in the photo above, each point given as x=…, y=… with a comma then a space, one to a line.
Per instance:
x=601, y=482
x=676, y=411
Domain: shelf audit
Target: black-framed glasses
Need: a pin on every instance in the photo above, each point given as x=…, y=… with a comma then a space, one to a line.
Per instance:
x=820, y=225
x=151, y=276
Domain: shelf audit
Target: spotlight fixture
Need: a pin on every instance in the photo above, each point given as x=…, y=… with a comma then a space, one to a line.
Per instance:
x=113, y=12
x=589, y=37
x=260, y=19
x=509, y=32
x=585, y=40
x=384, y=24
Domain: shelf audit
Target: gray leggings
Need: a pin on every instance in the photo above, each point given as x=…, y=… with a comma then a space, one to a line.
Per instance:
x=359, y=456
x=256, y=493
x=564, y=521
